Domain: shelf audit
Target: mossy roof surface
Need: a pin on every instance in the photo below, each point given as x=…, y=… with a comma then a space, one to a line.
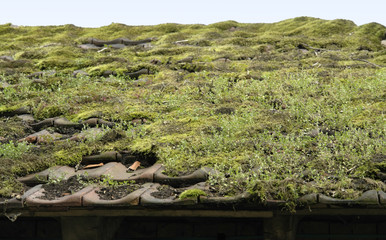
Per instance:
x=280, y=110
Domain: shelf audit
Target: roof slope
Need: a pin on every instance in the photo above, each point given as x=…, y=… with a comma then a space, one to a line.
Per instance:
x=278, y=111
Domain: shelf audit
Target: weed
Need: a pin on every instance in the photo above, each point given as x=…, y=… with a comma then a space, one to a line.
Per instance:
x=13, y=150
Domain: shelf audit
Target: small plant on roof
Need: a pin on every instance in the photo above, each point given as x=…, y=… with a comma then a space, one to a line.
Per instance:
x=13, y=150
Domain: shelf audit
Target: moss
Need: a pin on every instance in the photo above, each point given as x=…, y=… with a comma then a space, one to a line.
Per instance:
x=191, y=193
x=44, y=111
x=65, y=157
x=72, y=153
x=84, y=115
x=101, y=70
x=227, y=25
x=253, y=95
x=144, y=146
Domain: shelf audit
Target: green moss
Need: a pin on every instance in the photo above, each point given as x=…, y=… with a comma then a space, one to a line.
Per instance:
x=191, y=193
x=253, y=95
x=144, y=145
x=67, y=157
x=118, y=68
x=227, y=25
x=86, y=115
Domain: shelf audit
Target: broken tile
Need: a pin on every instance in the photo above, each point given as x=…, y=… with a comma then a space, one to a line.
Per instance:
x=135, y=165
x=93, y=166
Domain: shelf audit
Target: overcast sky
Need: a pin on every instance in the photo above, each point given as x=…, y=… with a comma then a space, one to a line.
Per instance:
x=96, y=13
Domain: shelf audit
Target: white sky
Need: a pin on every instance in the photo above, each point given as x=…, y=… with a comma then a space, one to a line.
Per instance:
x=96, y=13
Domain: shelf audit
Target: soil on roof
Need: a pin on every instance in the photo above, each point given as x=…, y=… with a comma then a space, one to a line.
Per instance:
x=63, y=188
x=116, y=192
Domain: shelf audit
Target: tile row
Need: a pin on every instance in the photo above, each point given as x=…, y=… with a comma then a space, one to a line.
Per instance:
x=118, y=172
x=145, y=196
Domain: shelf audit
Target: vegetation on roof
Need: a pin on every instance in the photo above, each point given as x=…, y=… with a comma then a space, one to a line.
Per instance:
x=279, y=110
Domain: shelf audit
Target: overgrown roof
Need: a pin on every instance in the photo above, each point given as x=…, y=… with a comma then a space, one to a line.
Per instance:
x=277, y=110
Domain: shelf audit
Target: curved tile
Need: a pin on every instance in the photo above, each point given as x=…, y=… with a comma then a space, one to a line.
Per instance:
x=196, y=177
x=38, y=178
x=92, y=198
x=63, y=122
x=223, y=201
x=49, y=122
x=28, y=118
x=93, y=122
x=148, y=200
x=19, y=111
x=368, y=198
x=271, y=203
x=13, y=203
x=63, y=172
x=333, y=201
x=88, y=46
x=312, y=198
x=99, y=171
x=118, y=172
x=145, y=174
x=72, y=200
x=42, y=136
x=111, y=156
x=382, y=197
x=31, y=191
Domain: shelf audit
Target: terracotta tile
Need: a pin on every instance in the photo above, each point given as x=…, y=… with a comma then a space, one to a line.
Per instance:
x=146, y=174
x=30, y=192
x=92, y=198
x=222, y=201
x=93, y=165
x=66, y=201
x=148, y=200
x=63, y=172
x=135, y=165
x=111, y=156
x=196, y=177
x=37, y=178
x=98, y=172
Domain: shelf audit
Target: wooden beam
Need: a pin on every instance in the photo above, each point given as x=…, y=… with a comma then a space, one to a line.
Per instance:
x=149, y=213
